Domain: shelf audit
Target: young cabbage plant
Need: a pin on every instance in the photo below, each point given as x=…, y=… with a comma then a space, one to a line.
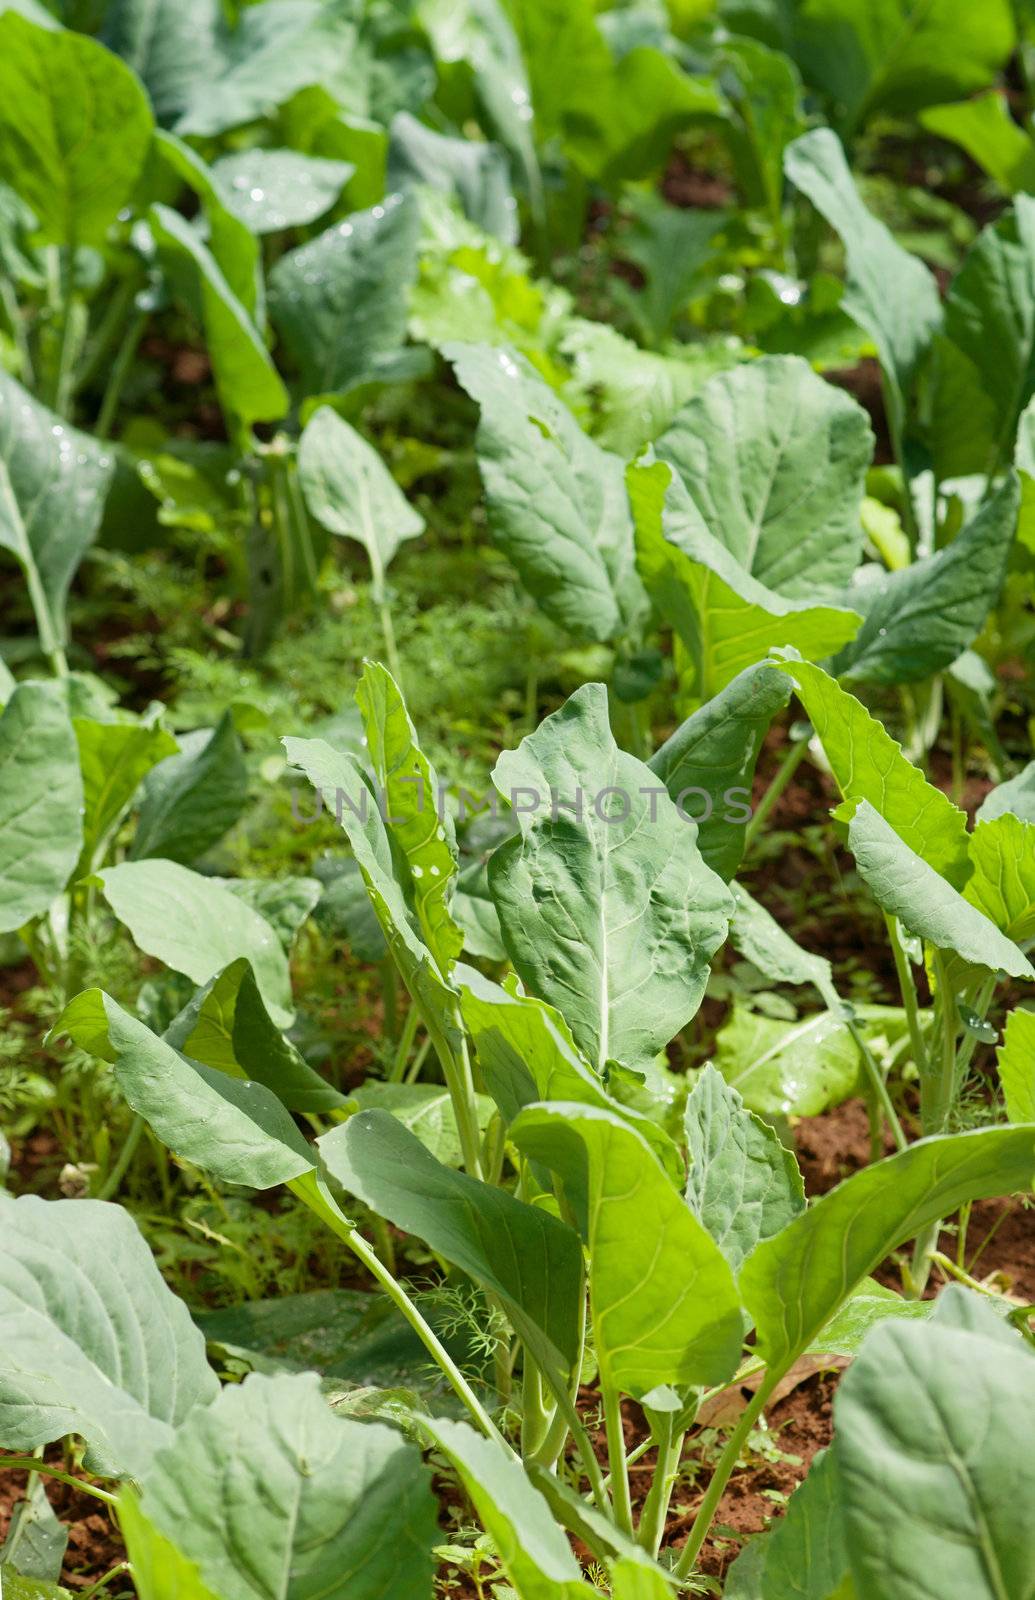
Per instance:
x=75, y=769
x=960, y=904
x=674, y=1278
x=585, y=1227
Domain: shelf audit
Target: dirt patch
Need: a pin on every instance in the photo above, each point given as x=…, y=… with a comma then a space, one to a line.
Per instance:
x=94, y=1546
x=693, y=188
x=833, y=1146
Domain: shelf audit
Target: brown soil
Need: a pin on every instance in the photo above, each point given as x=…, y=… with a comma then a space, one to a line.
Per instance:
x=693, y=188
x=94, y=1547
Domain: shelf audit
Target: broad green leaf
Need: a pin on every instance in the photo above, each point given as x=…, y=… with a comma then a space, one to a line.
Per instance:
x=918, y=620
x=1002, y=884
x=990, y=316
x=727, y=620
x=805, y=1557
x=75, y=127
x=232, y=1128
x=114, y=758
x=794, y=1283
x=35, y=1543
x=41, y=802
x=517, y=1251
x=1016, y=796
x=94, y=1343
x=1016, y=1061
x=227, y=1026
x=425, y=1110
x=664, y=1305
x=788, y=1068
x=170, y=44
x=742, y=1184
x=775, y=461
x=53, y=483
x=346, y=793
x=890, y=294
x=350, y=491
x=868, y=764
x=714, y=753
x=527, y=1053
x=284, y=902
x=557, y=502
x=760, y=938
x=898, y=55
x=273, y=1497
x=984, y=128
x=933, y=1424
x=532, y=1547
x=15, y=1587
x=762, y=91
x=610, y=915
x=340, y=301
x=197, y=927
x=269, y=190
x=908, y=888
x=160, y=1571
x=475, y=172
x=625, y=128
x=234, y=247
x=418, y=824
x=247, y=382
x=635, y=1580
x=191, y=800
x=626, y=395
x=872, y=1303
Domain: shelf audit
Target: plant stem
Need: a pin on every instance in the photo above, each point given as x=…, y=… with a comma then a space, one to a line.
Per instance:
x=937, y=1094
x=655, y=1510
x=616, y=1457
x=112, y=1183
x=313, y=1192
x=793, y=756
x=64, y=382
x=878, y=1084
x=405, y=1045
x=908, y=991
x=120, y=371
x=34, y=1464
x=587, y=1455
x=456, y=1069
x=721, y=1476
x=9, y=301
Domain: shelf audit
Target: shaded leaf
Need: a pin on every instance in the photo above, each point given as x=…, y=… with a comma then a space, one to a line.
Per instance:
x=94, y=1343
x=41, y=802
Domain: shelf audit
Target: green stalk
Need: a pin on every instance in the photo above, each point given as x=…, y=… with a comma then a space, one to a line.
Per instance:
x=908, y=991
x=120, y=371
x=405, y=1045
x=616, y=1457
x=937, y=1093
x=587, y=1455
x=536, y=1412
x=34, y=1464
x=114, y=318
x=9, y=301
x=793, y=756
x=456, y=1069
x=113, y=1182
x=655, y=1510
x=720, y=1478
x=313, y=1192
